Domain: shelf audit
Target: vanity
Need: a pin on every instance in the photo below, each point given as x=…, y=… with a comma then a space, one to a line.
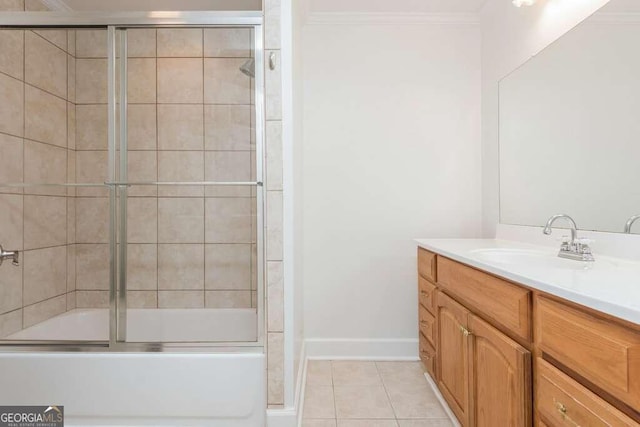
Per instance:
x=514, y=336
x=547, y=333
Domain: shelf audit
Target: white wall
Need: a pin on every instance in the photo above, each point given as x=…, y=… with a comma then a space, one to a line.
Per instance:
x=510, y=36
x=390, y=152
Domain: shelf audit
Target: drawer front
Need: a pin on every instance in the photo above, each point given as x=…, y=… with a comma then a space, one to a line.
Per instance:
x=561, y=401
x=505, y=303
x=603, y=352
x=427, y=325
x=427, y=294
x=427, y=264
x=428, y=356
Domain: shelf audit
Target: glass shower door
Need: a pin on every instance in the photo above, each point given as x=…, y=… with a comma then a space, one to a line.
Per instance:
x=190, y=214
x=54, y=216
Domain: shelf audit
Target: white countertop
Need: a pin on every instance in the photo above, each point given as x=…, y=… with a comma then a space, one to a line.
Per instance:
x=609, y=285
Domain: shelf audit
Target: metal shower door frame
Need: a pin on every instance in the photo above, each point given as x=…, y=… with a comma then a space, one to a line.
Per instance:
x=116, y=24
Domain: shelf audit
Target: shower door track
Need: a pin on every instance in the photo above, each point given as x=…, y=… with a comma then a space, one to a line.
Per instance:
x=152, y=19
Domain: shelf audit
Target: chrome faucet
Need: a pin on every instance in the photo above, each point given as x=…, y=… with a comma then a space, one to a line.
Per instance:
x=12, y=255
x=629, y=224
x=575, y=249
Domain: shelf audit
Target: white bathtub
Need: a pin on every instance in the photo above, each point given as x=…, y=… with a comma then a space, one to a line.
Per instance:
x=150, y=325
x=128, y=389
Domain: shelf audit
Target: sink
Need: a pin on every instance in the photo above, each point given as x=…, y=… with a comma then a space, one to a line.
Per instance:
x=529, y=257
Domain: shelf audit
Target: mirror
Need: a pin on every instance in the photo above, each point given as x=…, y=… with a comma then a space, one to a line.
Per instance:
x=570, y=127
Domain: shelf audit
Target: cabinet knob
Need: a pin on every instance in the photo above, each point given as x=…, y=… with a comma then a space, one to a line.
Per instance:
x=564, y=414
x=561, y=408
x=465, y=331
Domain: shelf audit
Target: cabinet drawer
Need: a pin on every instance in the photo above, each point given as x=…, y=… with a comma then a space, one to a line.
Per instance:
x=561, y=401
x=428, y=356
x=427, y=295
x=427, y=264
x=507, y=304
x=605, y=353
x=427, y=325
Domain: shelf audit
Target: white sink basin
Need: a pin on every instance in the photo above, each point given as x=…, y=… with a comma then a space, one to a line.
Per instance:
x=531, y=257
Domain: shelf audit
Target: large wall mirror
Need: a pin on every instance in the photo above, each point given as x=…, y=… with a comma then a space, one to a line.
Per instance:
x=570, y=126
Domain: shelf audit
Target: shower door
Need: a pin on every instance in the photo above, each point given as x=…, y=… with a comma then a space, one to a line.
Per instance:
x=54, y=215
x=131, y=169
x=187, y=195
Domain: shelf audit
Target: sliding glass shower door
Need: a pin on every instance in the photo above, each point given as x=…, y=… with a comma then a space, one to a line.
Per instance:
x=187, y=146
x=131, y=169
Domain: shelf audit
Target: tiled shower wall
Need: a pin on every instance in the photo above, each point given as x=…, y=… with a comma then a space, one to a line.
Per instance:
x=189, y=119
x=36, y=145
x=274, y=211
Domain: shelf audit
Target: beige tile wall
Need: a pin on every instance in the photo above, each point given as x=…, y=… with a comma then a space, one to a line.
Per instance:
x=274, y=210
x=189, y=120
x=37, y=144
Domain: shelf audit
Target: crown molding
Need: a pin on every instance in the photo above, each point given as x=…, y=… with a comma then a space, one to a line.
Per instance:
x=377, y=18
x=57, y=5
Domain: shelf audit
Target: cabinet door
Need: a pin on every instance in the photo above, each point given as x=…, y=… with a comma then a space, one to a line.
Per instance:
x=453, y=356
x=500, y=378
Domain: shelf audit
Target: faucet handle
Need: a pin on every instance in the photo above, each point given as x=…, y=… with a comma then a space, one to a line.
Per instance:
x=583, y=246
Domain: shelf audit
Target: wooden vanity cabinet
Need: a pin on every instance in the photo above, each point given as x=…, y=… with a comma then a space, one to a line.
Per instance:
x=427, y=321
x=478, y=335
x=563, y=401
x=500, y=377
x=484, y=376
x=428, y=356
x=453, y=357
x=603, y=352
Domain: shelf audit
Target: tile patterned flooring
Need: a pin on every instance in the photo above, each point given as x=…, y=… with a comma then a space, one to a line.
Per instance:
x=370, y=394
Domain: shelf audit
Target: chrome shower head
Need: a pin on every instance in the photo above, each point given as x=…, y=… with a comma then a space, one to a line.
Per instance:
x=249, y=68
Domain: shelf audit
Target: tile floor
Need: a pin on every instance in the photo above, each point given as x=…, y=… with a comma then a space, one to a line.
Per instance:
x=370, y=394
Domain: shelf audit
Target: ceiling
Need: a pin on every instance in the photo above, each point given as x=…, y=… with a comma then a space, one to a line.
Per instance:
x=146, y=5
x=396, y=6
x=336, y=6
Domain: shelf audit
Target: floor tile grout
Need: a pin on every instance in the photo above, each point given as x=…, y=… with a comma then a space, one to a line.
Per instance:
x=384, y=386
x=395, y=418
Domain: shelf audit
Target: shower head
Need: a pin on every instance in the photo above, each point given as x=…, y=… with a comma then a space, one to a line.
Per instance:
x=249, y=68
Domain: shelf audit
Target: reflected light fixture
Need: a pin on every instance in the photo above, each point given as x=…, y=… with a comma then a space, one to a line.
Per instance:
x=519, y=3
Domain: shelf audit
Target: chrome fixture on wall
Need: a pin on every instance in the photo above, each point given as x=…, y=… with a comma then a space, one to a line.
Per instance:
x=249, y=68
x=573, y=247
x=12, y=255
x=629, y=224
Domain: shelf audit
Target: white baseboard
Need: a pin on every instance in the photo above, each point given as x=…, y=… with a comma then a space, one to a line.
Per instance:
x=443, y=402
x=362, y=349
x=287, y=417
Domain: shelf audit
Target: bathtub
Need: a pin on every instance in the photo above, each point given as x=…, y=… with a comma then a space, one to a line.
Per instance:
x=225, y=387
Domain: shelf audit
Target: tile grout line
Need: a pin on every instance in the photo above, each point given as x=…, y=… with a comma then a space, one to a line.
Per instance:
x=157, y=197
x=204, y=189
x=24, y=125
x=384, y=387
x=333, y=392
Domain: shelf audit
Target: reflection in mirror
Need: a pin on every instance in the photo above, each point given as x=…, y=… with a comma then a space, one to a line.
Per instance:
x=570, y=127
